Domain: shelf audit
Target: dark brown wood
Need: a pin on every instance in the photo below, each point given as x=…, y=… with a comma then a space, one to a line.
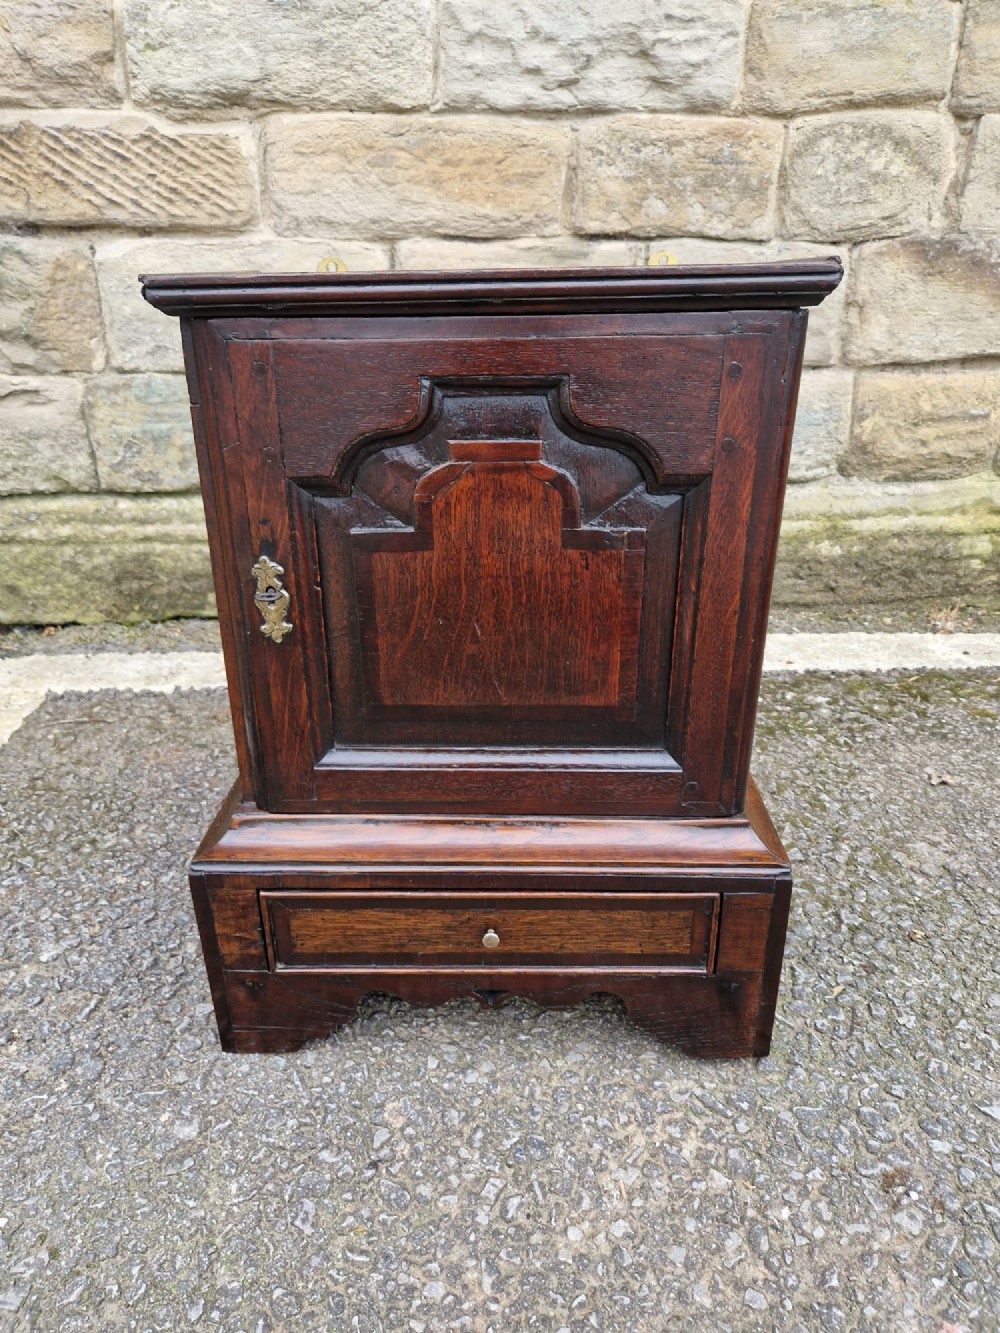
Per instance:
x=689, y=502
x=699, y=287
x=713, y=1017
x=348, y=930
x=741, y=845
x=592, y=880
x=518, y=533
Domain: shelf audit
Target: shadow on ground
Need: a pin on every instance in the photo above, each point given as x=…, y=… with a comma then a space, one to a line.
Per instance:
x=462, y=1169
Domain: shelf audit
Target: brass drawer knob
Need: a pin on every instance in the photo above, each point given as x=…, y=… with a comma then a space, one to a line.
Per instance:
x=491, y=939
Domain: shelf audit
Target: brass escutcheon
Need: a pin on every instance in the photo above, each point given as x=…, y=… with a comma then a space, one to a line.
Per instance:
x=271, y=599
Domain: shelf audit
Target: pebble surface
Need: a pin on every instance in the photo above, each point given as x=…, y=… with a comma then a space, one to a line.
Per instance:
x=463, y=1169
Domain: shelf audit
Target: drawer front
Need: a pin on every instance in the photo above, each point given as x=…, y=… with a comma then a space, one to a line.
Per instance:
x=347, y=930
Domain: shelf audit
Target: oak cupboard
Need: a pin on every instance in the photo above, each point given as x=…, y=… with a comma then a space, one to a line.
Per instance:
x=493, y=553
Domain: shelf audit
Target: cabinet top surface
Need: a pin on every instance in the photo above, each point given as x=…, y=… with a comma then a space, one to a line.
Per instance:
x=498, y=291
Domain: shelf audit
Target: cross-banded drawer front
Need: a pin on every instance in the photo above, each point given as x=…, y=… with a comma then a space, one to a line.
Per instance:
x=348, y=930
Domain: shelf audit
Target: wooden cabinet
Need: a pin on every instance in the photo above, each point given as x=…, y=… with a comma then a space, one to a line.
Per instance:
x=493, y=554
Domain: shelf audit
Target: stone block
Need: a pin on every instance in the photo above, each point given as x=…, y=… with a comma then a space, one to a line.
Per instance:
x=125, y=173
x=311, y=54
x=925, y=425
x=822, y=424
x=50, y=314
x=58, y=53
x=85, y=559
x=567, y=54
x=810, y=55
x=525, y=252
x=649, y=175
x=924, y=299
x=976, y=86
x=981, y=197
x=43, y=440
x=866, y=174
x=390, y=176
x=140, y=432
x=854, y=544
x=823, y=341
x=141, y=338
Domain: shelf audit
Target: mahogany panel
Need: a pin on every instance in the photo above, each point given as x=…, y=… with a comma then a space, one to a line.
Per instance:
x=743, y=936
x=449, y=617
x=448, y=781
x=659, y=393
x=500, y=598
x=501, y=291
x=290, y=725
x=220, y=471
x=766, y=504
x=706, y=1016
x=239, y=930
x=247, y=836
x=323, y=930
x=721, y=657
x=495, y=578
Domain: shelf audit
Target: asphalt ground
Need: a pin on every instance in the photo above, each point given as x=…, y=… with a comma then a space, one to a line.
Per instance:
x=478, y=1170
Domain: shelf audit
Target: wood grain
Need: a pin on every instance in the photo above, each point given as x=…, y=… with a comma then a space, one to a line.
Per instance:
x=442, y=601
x=699, y=1015
x=248, y=836
x=348, y=930
x=527, y=523
x=500, y=598
x=705, y=287
x=341, y=396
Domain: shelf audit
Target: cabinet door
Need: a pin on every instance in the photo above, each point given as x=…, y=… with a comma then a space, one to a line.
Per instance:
x=507, y=565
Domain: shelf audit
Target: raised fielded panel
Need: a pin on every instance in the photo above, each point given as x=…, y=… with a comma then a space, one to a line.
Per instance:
x=483, y=528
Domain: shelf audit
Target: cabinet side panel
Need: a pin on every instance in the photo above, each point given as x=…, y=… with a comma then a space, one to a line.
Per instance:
x=720, y=657
x=768, y=500
x=734, y=579
x=217, y=493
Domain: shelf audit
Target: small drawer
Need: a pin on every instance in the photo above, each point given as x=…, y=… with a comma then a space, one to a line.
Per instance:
x=351, y=930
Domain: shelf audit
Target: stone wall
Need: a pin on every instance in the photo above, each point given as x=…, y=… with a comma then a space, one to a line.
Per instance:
x=166, y=135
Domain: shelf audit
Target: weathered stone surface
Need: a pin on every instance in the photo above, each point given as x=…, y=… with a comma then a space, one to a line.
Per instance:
x=853, y=544
x=648, y=175
x=925, y=425
x=140, y=432
x=977, y=76
x=678, y=56
x=141, y=338
x=924, y=299
x=313, y=53
x=392, y=175
x=58, y=53
x=866, y=174
x=125, y=172
x=806, y=55
x=50, y=314
x=43, y=441
x=822, y=424
x=92, y=558
x=981, y=196
x=823, y=340
x=525, y=252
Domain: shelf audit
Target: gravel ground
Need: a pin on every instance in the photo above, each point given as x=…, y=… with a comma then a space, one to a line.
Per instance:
x=164, y=636
x=465, y=1169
